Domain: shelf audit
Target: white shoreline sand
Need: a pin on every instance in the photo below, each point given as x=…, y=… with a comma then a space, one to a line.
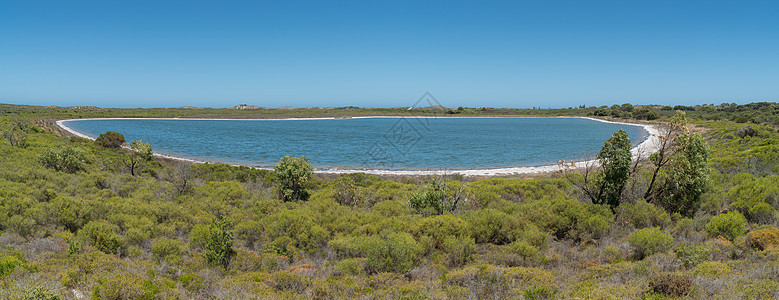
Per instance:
x=647, y=146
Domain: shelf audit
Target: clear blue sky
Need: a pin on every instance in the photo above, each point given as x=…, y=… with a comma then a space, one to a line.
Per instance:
x=387, y=53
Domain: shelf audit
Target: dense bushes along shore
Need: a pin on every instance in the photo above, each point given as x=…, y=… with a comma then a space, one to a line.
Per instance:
x=81, y=219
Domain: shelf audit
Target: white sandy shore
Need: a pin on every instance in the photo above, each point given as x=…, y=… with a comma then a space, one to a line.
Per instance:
x=646, y=147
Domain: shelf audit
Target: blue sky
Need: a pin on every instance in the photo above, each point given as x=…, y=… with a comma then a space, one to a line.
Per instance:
x=388, y=53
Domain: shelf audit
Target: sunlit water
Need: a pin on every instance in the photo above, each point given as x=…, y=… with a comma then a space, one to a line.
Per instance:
x=375, y=143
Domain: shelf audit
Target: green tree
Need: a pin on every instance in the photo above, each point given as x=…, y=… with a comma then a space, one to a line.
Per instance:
x=615, y=160
x=110, y=139
x=293, y=173
x=141, y=153
x=219, y=243
x=688, y=175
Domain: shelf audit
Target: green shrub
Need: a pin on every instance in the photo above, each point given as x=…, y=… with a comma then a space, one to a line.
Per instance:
x=218, y=248
x=102, y=235
x=68, y=160
x=350, y=266
x=642, y=214
x=293, y=173
x=439, y=228
x=20, y=225
x=167, y=247
x=729, y=225
x=120, y=286
x=712, y=269
x=8, y=264
x=493, y=226
x=191, y=281
x=524, y=250
x=40, y=293
x=392, y=252
x=649, y=241
x=692, y=255
x=459, y=251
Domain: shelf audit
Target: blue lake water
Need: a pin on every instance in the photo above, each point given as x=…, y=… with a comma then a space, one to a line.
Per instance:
x=371, y=143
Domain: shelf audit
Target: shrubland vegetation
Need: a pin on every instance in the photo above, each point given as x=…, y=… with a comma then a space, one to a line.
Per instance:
x=90, y=219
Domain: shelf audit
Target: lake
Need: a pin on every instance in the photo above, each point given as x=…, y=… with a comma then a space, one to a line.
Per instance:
x=391, y=143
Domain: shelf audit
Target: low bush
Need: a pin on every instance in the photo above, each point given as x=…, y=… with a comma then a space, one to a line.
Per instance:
x=764, y=238
x=68, y=160
x=729, y=225
x=392, y=252
x=102, y=235
x=642, y=214
x=167, y=248
x=712, y=269
x=649, y=241
x=692, y=255
x=671, y=284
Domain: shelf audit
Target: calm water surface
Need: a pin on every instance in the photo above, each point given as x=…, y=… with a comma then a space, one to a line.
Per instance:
x=383, y=143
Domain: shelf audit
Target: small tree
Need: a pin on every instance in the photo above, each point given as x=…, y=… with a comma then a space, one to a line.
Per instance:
x=438, y=197
x=219, y=244
x=110, y=139
x=293, y=173
x=141, y=153
x=615, y=160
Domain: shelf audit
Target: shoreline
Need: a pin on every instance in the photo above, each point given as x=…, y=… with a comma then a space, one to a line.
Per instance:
x=647, y=146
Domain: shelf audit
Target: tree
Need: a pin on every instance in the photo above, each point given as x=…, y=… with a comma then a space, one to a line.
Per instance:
x=615, y=159
x=142, y=152
x=219, y=243
x=665, y=147
x=110, y=139
x=681, y=164
x=293, y=173
x=688, y=174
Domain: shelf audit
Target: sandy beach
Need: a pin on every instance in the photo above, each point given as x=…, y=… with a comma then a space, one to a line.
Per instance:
x=647, y=146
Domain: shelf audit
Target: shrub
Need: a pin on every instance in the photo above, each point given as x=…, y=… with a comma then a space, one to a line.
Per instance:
x=671, y=284
x=102, y=235
x=393, y=252
x=167, y=247
x=493, y=226
x=439, y=228
x=110, y=139
x=764, y=238
x=191, y=282
x=437, y=197
x=712, y=269
x=729, y=225
x=8, y=264
x=642, y=214
x=350, y=266
x=120, y=286
x=21, y=225
x=39, y=293
x=459, y=251
x=524, y=250
x=68, y=160
x=692, y=255
x=218, y=248
x=16, y=138
x=293, y=173
x=649, y=241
